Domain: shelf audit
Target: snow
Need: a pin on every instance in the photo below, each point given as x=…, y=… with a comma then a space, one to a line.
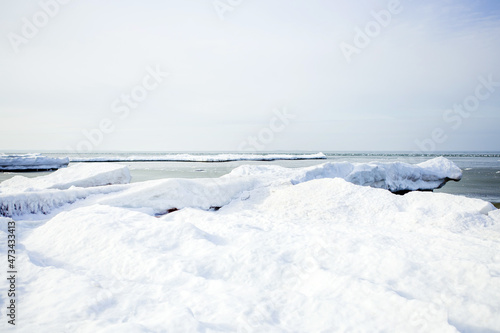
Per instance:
x=161, y=195
x=79, y=175
x=289, y=250
x=22, y=195
x=201, y=158
x=393, y=176
x=44, y=202
x=30, y=162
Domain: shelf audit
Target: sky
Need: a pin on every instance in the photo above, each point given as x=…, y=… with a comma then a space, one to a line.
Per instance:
x=249, y=75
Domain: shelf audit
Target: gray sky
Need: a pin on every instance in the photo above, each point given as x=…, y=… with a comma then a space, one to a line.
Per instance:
x=351, y=82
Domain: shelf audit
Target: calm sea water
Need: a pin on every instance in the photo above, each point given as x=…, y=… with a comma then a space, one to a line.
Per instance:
x=481, y=171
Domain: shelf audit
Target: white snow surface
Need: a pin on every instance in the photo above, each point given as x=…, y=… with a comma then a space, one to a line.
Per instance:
x=201, y=157
x=10, y=162
x=22, y=195
x=79, y=175
x=17, y=197
x=393, y=176
x=289, y=251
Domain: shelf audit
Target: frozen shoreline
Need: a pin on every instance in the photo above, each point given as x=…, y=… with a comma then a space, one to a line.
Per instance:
x=289, y=250
x=20, y=195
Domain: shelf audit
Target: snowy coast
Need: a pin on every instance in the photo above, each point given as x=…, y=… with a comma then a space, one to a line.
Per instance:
x=327, y=247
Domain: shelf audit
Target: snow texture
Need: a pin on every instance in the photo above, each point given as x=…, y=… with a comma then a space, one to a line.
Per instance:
x=31, y=162
x=324, y=255
x=393, y=176
x=299, y=250
x=21, y=195
x=79, y=175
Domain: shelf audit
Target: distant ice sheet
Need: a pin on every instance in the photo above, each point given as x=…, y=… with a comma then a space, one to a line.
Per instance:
x=201, y=158
x=31, y=162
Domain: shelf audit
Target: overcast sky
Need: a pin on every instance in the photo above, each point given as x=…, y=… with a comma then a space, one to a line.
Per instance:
x=351, y=82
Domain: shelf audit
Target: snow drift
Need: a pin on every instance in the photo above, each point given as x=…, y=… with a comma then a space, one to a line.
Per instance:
x=393, y=176
x=289, y=250
x=79, y=175
x=167, y=194
x=324, y=255
x=22, y=195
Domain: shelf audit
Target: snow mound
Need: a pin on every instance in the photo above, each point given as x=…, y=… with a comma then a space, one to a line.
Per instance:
x=320, y=256
x=207, y=193
x=289, y=250
x=21, y=195
x=31, y=162
x=44, y=202
x=79, y=175
x=163, y=195
x=393, y=176
x=342, y=201
x=201, y=158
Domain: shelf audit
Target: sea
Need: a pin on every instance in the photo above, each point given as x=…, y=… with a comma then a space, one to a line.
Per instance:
x=481, y=170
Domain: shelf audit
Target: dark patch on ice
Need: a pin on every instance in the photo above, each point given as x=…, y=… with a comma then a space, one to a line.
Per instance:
x=403, y=192
x=165, y=212
x=28, y=169
x=171, y=210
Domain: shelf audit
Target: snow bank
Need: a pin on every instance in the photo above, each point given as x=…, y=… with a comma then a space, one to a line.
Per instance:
x=393, y=176
x=30, y=162
x=21, y=195
x=201, y=158
x=44, y=202
x=79, y=175
x=164, y=195
x=289, y=250
x=321, y=256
